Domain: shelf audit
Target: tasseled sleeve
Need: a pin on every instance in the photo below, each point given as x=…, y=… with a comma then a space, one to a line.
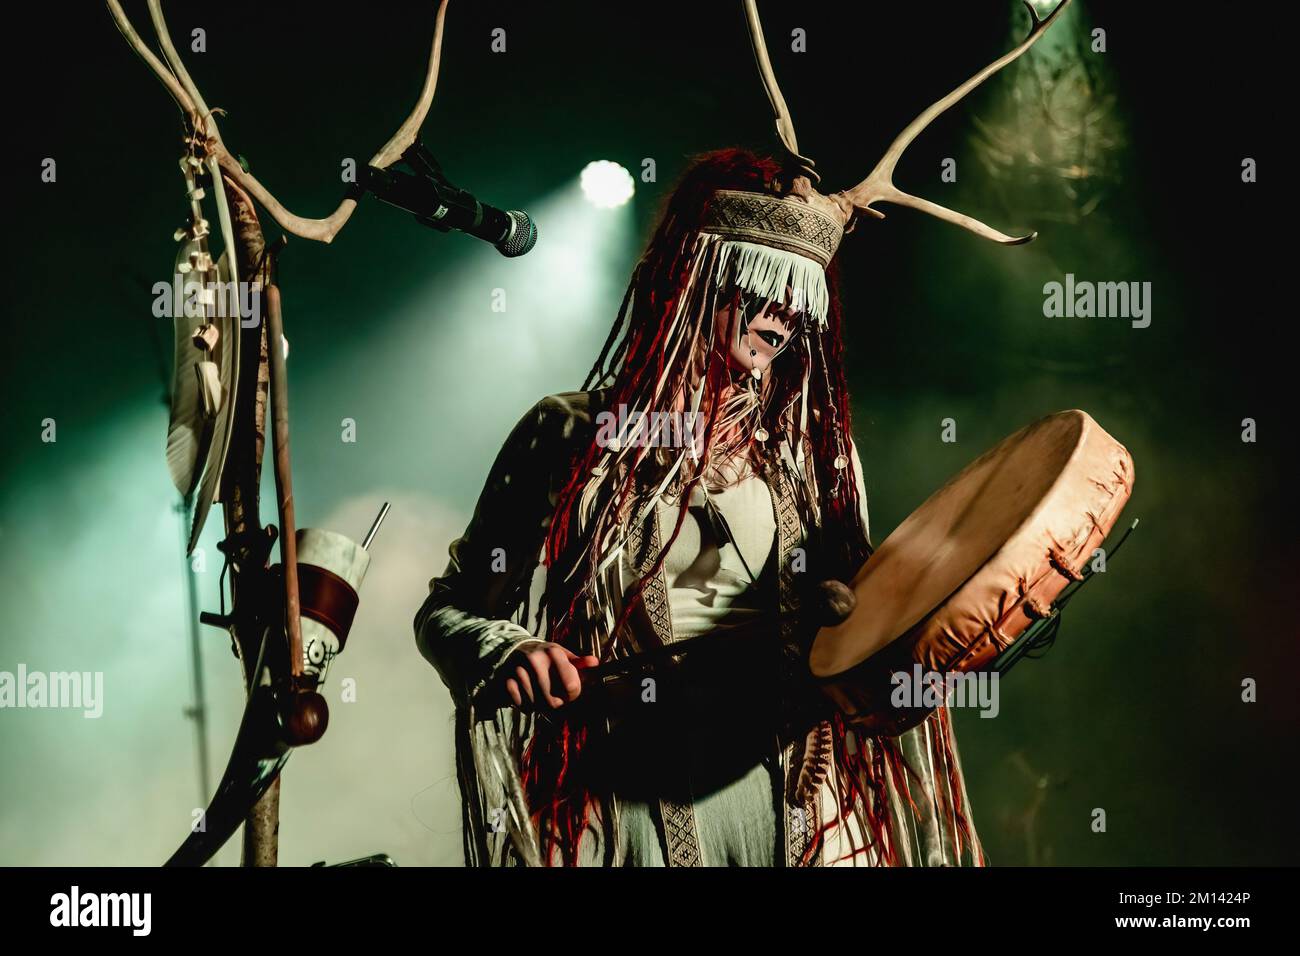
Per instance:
x=470, y=622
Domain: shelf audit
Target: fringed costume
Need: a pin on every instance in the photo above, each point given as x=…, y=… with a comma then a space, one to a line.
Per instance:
x=678, y=497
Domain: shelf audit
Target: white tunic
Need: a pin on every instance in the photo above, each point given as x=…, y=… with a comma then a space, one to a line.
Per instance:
x=708, y=577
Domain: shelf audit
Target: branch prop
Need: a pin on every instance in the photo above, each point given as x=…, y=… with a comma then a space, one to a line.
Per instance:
x=245, y=791
x=216, y=441
x=176, y=79
x=198, y=444
x=283, y=709
x=258, y=756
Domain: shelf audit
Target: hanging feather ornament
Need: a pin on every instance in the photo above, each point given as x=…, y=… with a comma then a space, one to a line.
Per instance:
x=206, y=328
x=189, y=430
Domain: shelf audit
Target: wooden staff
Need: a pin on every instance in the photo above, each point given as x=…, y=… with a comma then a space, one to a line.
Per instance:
x=240, y=491
x=283, y=473
x=246, y=544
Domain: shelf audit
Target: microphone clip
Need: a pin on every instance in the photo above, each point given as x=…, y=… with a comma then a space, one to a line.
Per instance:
x=425, y=191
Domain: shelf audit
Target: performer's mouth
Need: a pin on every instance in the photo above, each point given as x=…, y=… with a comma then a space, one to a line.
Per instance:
x=774, y=339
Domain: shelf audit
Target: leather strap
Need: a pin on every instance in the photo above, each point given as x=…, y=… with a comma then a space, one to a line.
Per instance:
x=801, y=808
x=326, y=598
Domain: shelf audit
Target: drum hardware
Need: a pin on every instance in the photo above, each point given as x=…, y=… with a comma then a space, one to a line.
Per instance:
x=1040, y=635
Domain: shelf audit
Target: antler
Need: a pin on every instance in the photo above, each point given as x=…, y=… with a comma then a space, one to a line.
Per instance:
x=784, y=124
x=879, y=186
x=181, y=86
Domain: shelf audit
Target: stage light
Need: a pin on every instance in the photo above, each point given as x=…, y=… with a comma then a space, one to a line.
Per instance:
x=606, y=185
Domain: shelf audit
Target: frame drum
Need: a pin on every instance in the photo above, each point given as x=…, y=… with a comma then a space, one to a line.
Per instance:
x=975, y=565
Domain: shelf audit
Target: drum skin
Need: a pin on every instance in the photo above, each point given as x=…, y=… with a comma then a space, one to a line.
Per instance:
x=968, y=571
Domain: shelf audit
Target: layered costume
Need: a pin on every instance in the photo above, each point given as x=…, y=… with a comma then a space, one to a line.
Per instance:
x=728, y=755
x=641, y=543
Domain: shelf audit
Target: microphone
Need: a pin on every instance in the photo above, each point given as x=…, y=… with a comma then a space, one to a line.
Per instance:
x=436, y=203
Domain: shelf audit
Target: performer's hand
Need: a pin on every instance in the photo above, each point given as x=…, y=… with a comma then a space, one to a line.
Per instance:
x=544, y=676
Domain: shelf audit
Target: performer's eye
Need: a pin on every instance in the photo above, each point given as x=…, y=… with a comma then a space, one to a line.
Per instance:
x=773, y=339
x=791, y=322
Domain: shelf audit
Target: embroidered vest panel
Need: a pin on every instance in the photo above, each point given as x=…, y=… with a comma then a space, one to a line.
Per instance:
x=801, y=817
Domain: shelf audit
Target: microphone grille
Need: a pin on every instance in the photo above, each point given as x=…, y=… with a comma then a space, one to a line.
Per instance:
x=522, y=235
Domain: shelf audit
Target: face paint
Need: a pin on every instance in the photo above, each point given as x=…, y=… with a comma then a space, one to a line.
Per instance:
x=760, y=330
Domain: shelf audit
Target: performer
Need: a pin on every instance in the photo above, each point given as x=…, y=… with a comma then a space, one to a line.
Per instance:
x=707, y=518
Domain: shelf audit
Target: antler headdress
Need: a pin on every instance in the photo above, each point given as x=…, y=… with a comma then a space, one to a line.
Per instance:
x=784, y=240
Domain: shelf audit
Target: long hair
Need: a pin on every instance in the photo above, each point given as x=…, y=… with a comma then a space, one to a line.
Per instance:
x=663, y=348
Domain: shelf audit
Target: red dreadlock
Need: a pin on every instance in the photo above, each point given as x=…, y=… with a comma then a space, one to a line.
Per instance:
x=632, y=366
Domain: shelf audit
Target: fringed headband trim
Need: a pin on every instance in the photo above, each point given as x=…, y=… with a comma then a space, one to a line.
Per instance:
x=771, y=273
x=789, y=224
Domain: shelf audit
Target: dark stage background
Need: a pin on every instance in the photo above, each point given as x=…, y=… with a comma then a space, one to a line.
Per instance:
x=1127, y=161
